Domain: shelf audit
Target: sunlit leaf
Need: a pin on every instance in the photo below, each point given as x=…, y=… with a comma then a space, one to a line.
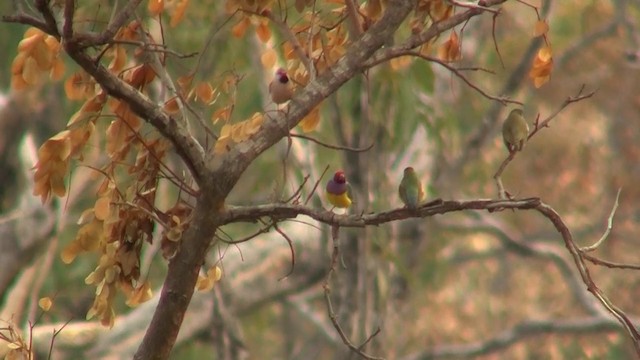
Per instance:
x=45, y=303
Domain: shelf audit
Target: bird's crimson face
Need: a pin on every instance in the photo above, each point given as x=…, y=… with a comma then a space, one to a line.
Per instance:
x=282, y=77
x=339, y=177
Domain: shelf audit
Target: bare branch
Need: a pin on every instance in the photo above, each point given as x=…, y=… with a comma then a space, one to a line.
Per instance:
x=609, y=226
x=285, y=211
x=334, y=147
x=516, y=334
x=327, y=296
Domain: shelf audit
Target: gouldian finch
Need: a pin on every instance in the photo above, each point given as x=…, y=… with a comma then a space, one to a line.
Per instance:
x=280, y=87
x=410, y=189
x=338, y=191
x=515, y=131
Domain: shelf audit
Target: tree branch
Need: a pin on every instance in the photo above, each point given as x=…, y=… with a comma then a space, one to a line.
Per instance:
x=285, y=211
x=516, y=334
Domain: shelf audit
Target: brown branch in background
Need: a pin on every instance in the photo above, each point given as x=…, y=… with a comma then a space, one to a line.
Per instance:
x=334, y=147
x=516, y=334
x=293, y=252
x=327, y=296
x=457, y=72
x=493, y=36
x=501, y=99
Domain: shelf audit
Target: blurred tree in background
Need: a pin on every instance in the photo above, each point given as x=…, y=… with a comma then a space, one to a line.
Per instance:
x=170, y=166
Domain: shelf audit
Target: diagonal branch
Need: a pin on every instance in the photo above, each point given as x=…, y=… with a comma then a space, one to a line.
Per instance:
x=518, y=333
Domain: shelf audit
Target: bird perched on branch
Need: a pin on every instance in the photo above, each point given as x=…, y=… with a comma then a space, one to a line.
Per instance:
x=410, y=189
x=280, y=87
x=339, y=191
x=515, y=131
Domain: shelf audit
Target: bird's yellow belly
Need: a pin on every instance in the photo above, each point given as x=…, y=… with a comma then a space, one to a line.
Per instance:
x=340, y=201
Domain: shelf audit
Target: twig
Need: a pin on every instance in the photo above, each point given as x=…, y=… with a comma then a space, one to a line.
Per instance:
x=327, y=296
x=296, y=194
x=609, y=226
x=153, y=47
x=315, y=186
x=609, y=264
x=538, y=125
x=457, y=72
x=293, y=253
x=335, y=147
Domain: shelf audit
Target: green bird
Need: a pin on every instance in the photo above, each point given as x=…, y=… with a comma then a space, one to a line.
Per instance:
x=410, y=189
x=515, y=131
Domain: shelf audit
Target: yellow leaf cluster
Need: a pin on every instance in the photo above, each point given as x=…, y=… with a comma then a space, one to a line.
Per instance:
x=449, y=51
x=205, y=283
x=55, y=154
x=140, y=294
x=52, y=166
x=79, y=86
x=122, y=131
x=38, y=53
x=45, y=303
x=18, y=348
x=542, y=65
x=105, y=278
x=311, y=121
x=238, y=132
x=179, y=219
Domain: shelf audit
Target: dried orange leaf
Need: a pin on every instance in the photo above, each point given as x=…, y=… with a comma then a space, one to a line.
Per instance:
x=450, y=50
x=178, y=12
x=45, y=303
x=268, y=59
x=102, y=208
x=171, y=106
x=155, y=7
x=205, y=92
x=239, y=29
x=311, y=121
x=263, y=31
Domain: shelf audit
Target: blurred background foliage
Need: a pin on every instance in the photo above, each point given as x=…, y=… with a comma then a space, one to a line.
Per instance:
x=429, y=283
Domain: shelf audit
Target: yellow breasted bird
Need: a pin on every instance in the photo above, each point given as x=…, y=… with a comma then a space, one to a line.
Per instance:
x=515, y=131
x=280, y=87
x=338, y=191
x=410, y=189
